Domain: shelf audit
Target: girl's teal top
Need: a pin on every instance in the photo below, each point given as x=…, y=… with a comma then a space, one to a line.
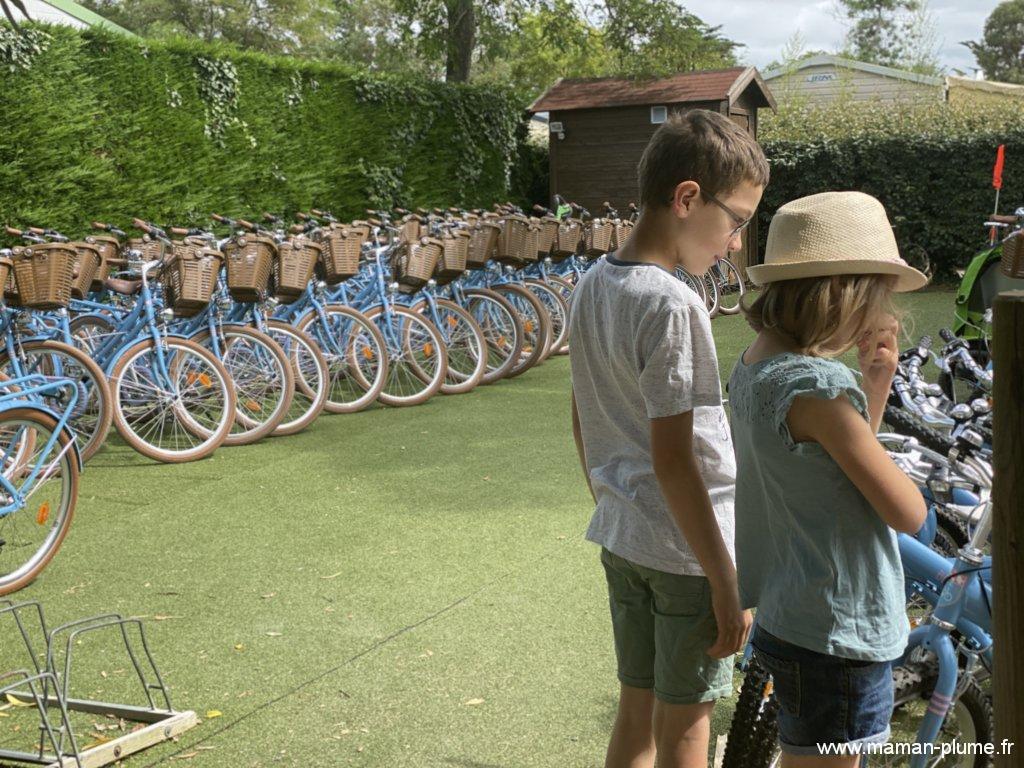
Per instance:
x=812, y=555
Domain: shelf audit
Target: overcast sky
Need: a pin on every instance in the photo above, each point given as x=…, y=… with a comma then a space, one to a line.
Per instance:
x=765, y=26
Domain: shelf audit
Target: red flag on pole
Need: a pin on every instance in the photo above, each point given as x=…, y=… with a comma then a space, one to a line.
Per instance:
x=997, y=171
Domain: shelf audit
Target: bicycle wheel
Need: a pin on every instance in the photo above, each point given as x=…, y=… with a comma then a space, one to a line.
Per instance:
x=710, y=293
x=558, y=311
x=93, y=413
x=89, y=332
x=311, y=376
x=730, y=287
x=695, y=285
x=464, y=341
x=502, y=331
x=417, y=358
x=33, y=529
x=262, y=377
x=172, y=403
x=355, y=352
x=754, y=730
x=535, y=323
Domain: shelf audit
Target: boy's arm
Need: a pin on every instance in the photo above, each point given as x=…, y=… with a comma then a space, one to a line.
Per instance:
x=679, y=478
x=577, y=436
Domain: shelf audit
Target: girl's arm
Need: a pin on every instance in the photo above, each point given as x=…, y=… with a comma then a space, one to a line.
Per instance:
x=850, y=441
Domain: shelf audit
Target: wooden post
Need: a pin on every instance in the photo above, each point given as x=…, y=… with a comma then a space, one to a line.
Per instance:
x=1008, y=529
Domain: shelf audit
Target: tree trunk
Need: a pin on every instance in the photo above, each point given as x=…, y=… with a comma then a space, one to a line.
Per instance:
x=461, y=38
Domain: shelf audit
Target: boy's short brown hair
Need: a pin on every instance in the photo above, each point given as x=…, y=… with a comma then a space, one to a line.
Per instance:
x=702, y=146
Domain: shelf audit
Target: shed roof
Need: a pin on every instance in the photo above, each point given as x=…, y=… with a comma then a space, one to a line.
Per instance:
x=707, y=85
x=863, y=66
x=985, y=86
x=83, y=14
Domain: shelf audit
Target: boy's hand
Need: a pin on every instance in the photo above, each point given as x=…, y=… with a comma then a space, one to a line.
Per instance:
x=733, y=622
x=878, y=356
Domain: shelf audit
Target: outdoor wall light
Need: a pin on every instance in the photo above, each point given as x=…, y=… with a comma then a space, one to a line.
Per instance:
x=557, y=127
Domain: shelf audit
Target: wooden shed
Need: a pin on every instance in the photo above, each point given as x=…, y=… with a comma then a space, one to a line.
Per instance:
x=598, y=129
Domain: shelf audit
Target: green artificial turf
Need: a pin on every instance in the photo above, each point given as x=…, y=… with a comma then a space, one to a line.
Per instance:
x=398, y=587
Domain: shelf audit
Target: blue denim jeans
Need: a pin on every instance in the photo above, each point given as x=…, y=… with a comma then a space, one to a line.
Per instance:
x=825, y=699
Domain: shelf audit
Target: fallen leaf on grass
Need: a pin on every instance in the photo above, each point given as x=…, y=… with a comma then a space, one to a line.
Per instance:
x=474, y=702
x=186, y=756
x=332, y=576
x=269, y=595
x=16, y=702
x=164, y=617
x=239, y=647
x=273, y=634
x=212, y=713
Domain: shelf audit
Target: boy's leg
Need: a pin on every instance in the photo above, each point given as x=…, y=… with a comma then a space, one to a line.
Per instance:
x=632, y=742
x=687, y=680
x=630, y=600
x=682, y=733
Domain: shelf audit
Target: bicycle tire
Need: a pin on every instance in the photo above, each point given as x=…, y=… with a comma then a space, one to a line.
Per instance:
x=904, y=424
x=311, y=376
x=558, y=311
x=731, y=285
x=89, y=331
x=535, y=324
x=753, y=730
x=502, y=329
x=710, y=293
x=457, y=381
x=428, y=342
x=343, y=363
x=211, y=438
x=97, y=391
x=247, y=428
x=37, y=421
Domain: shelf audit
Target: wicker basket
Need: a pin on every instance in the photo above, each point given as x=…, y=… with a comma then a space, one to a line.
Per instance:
x=547, y=234
x=293, y=268
x=341, y=248
x=43, y=274
x=599, y=235
x=191, y=278
x=148, y=250
x=1012, y=260
x=86, y=266
x=11, y=296
x=416, y=262
x=7, y=274
x=622, y=230
x=409, y=229
x=570, y=232
x=482, y=242
x=109, y=247
x=453, y=255
x=517, y=243
x=250, y=261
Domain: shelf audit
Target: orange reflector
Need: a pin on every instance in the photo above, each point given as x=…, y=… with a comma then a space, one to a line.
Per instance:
x=368, y=353
x=528, y=326
x=43, y=514
x=452, y=321
x=501, y=341
x=190, y=378
x=768, y=688
x=205, y=380
x=253, y=406
x=428, y=349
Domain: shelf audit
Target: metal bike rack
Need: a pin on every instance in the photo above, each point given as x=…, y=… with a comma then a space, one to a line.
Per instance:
x=40, y=684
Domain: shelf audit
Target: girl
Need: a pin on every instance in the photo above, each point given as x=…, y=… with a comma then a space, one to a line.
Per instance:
x=818, y=500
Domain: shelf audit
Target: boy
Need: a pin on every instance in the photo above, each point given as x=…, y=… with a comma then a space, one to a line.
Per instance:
x=654, y=443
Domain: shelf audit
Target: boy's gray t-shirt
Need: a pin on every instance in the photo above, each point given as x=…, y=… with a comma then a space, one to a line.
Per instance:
x=641, y=348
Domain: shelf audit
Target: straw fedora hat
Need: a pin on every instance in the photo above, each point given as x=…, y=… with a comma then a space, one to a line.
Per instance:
x=833, y=233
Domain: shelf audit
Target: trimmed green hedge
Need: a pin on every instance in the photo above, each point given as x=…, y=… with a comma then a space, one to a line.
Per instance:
x=98, y=126
x=938, y=191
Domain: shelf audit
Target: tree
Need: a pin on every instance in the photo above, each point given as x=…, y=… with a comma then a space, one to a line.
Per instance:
x=659, y=37
x=894, y=33
x=1000, y=52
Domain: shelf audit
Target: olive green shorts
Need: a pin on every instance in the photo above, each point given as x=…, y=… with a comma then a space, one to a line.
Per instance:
x=663, y=623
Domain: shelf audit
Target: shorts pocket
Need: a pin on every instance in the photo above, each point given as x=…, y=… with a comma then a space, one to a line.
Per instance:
x=785, y=680
x=681, y=596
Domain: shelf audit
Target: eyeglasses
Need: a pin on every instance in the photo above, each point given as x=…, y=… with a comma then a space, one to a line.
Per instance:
x=741, y=223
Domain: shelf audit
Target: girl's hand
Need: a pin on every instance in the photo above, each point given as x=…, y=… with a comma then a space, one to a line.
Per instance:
x=878, y=356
